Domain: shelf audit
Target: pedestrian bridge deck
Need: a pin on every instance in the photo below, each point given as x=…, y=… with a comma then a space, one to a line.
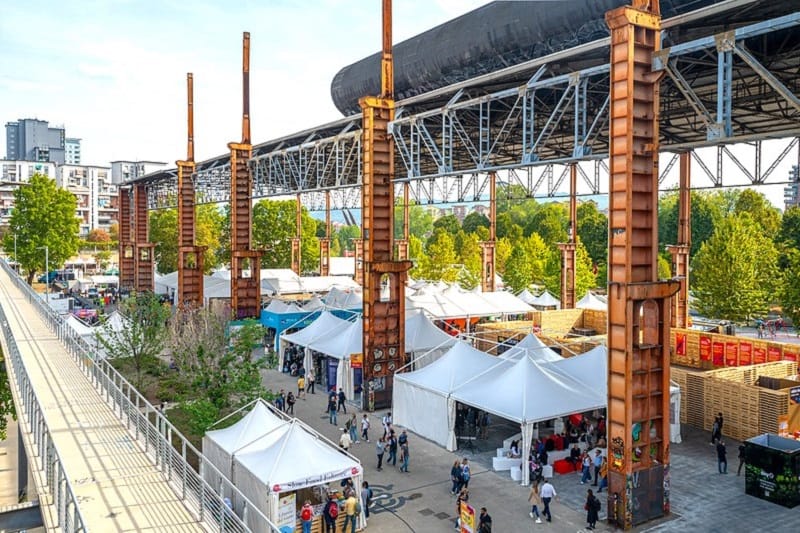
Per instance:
x=116, y=484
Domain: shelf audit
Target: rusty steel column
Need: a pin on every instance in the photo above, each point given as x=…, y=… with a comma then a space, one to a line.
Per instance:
x=325, y=244
x=127, y=247
x=680, y=251
x=245, y=263
x=568, y=265
x=488, y=247
x=145, y=280
x=384, y=320
x=190, y=257
x=402, y=244
x=297, y=259
x=358, y=251
x=638, y=303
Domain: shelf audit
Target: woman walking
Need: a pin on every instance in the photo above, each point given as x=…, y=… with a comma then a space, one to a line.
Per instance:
x=455, y=477
x=380, y=448
x=592, y=507
x=535, y=500
x=465, y=473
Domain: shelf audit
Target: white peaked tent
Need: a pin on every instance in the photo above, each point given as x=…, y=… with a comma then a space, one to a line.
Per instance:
x=590, y=301
x=295, y=457
x=79, y=326
x=503, y=302
x=674, y=413
x=314, y=304
x=527, y=297
x=341, y=344
x=531, y=346
x=325, y=325
x=276, y=306
x=589, y=368
x=546, y=300
x=422, y=335
x=431, y=387
x=220, y=445
x=528, y=392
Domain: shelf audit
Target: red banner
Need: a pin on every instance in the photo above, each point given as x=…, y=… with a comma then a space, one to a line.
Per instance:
x=790, y=354
x=680, y=344
x=759, y=355
x=745, y=353
x=718, y=354
x=731, y=353
x=773, y=353
x=705, y=348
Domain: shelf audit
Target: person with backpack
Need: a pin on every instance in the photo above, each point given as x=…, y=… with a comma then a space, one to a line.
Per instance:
x=290, y=399
x=366, y=498
x=311, y=381
x=306, y=516
x=592, y=507
x=351, y=511
x=329, y=514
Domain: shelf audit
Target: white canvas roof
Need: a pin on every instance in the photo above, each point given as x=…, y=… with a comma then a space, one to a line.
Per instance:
x=214, y=287
x=260, y=420
x=79, y=326
x=164, y=283
x=459, y=364
x=453, y=302
x=342, y=266
x=505, y=302
x=296, y=459
x=546, y=300
x=422, y=334
x=276, y=306
x=590, y=368
x=590, y=301
x=341, y=343
x=526, y=296
x=314, y=304
x=324, y=326
x=532, y=346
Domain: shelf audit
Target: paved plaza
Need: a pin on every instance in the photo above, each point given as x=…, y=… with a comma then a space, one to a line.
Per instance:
x=420, y=501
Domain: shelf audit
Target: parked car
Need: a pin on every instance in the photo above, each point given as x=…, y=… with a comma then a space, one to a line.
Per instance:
x=49, y=277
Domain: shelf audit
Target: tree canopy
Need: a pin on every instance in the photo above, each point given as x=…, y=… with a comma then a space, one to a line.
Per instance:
x=43, y=216
x=208, y=232
x=274, y=228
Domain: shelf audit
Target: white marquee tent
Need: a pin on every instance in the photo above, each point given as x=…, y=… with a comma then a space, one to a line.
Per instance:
x=527, y=296
x=592, y=301
x=294, y=457
x=422, y=335
x=532, y=346
x=326, y=325
x=546, y=300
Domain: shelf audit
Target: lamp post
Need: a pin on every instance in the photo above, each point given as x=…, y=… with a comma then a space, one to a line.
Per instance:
x=15, y=253
x=46, y=271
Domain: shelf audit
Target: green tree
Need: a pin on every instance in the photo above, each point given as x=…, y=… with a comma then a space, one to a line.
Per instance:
x=585, y=278
x=470, y=256
x=760, y=209
x=703, y=212
x=593, y=231
x=550, y=222
x=734, y=273
x=789, y=234
x=144, y=336
x=208, y=232
x=518, y=272
x=163, y=231
x=502, y=253
x=439, y=263
x=345, y=236
x=7, y=409
x=473, y=221
x=449, y=223
x=506, y=227
x=420, y=220
x=43, y=216
x=790, y=301
x=274, y=227
x=416, y=251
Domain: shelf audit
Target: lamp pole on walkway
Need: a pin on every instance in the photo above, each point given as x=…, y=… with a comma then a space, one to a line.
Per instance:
x=47, y=271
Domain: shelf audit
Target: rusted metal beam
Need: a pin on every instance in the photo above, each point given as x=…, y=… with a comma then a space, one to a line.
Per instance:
x=638, y=303
x=190, y=257
x=145, y=275
x=325, y=244
x=245, y=262
x=127, y=253
x=568, y=266
x=402, y=244
x=680, y=252
x=488, y=247
x=297, y=241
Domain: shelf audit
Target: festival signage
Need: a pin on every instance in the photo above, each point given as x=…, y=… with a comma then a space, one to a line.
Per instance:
x=356, y=360
x=467, y=518
x=718, y=354
x=773, y=353
x=326, y=477
x=759, y=354
x=731, y=353
x=745, y=353
x=705, y=348
x=287, y=506
x=680, y=343
x=790, y=353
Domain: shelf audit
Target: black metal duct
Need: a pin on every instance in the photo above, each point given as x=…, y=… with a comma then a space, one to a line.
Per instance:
x=489, y=38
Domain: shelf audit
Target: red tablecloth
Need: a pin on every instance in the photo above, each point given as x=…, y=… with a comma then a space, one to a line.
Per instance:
x=562, y=466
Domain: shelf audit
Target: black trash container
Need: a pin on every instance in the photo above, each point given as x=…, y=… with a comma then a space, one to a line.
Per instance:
x=772, y=470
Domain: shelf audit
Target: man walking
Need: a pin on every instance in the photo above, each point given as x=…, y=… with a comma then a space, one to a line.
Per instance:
x=332, y=409
x=547, y=492
x=598, y=462
x=484, y=522
x=741, y=459
x=311, y=380
x=722, y=461
x=342, y=398
x=404, y=456
x=392, y=449
x=350, y=514
x=380, y=448
x=365, y=428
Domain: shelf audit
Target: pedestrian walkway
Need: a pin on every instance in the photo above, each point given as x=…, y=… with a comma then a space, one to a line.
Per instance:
x=116, y=485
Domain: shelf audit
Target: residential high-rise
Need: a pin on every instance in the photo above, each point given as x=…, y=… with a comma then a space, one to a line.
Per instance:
x=98, y=198
x=791, y=193
x=122, y=171
x=72, y=146
x=31, y=139
x=12, y=175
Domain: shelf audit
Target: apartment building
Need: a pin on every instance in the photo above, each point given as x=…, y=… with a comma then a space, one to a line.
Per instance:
x=12, y=175
x=98, y=197
x=122, y=171
x=31, y=139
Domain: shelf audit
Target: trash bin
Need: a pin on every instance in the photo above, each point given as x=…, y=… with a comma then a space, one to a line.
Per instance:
x=772, y=469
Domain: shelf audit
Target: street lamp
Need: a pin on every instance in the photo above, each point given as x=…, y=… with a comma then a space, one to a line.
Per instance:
x=46, y=271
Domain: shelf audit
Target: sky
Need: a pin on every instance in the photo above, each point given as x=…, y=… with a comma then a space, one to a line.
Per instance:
x=113, y=72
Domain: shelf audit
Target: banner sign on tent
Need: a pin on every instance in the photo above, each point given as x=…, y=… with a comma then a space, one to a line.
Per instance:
x=731, y=353
x=759, y=355
x=287, y=508
x=789, y=354
x=356, y=360
x=467, y=518
x=745, y=353
x=794, y=394
x=315, y=480
x=705, y=348
x=680, y=343
x=718, y=354
x=773, y=354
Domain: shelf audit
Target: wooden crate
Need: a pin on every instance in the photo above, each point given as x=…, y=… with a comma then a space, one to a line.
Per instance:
x=772, y=404
x=738, y=403
x=695, y=400
x=561, y=321
x=596, y=319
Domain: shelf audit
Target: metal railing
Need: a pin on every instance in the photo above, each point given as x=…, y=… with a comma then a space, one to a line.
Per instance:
x=59, y=488
x=164, y=444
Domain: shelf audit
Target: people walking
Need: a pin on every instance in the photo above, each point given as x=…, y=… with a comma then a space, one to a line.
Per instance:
x=722, y=461
x=586, y=464
x=392, y=449
x=344, y=440
x=290, y=402
x=387, y=424
x=484, y=521
x=592, y=507
x=311, y=381
x=366, y=498
x=350, y=514
x=741, y=459
x=598, y=463
x=463, y=496
x=455, y=477
x=352, y=427
x=535, y=500
x=404, y=457
x=547, y=493
x=307, y=516
x=380, y=449
x=301, y=387
x=332, y=409
x=365, y=428
x=342, y=399
x=603, y=475
x=465, y=472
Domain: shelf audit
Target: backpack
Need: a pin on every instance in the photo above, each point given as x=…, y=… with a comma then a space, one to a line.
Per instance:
x=333, y=510
x=358, y=507
x=597, y=504
x=305, y=514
